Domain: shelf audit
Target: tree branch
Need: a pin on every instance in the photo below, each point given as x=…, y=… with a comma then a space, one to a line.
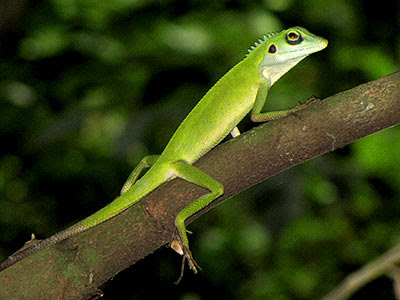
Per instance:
x=383, y=264
x=75, y=268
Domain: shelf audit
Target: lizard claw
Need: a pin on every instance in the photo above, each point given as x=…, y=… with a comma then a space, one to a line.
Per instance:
x=310, y=100
x=301, y=106
x=193, y=265
x=313, y=99
x=181, y=249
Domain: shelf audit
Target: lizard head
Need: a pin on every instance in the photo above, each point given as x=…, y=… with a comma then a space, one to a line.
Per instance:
x=285, y=49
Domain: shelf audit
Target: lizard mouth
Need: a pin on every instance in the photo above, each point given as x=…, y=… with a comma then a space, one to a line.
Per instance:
x=309, y=50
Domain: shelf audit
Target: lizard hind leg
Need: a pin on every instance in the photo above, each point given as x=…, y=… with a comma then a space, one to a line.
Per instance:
x=146, y=162
x=192, y=174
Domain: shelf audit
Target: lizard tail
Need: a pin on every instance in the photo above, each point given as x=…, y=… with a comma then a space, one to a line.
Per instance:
x=140, y=189
x=25, y=252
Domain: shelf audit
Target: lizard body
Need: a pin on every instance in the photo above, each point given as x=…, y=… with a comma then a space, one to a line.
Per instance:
x=242, y=89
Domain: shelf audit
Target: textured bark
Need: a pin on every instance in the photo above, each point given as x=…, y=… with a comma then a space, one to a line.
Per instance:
x=75, y=268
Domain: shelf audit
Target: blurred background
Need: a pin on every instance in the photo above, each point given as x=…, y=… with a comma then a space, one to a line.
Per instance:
x=87, y=88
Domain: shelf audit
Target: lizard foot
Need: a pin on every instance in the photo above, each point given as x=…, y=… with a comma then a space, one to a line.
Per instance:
x=300, y=106
x=181, y=249
x=309, y=101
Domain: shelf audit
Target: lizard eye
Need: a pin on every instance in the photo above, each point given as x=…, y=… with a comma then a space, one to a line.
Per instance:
x=294, y=38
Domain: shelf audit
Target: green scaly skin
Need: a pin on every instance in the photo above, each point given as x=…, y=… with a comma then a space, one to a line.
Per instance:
x=243, y=89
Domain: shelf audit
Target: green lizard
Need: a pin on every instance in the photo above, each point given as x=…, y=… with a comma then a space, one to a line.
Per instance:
x=243, y=89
